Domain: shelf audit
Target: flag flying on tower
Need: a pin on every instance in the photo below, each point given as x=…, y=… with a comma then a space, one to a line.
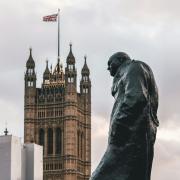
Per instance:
x=52, y=17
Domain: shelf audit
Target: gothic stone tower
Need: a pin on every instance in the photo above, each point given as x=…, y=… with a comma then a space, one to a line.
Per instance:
x=58, y=117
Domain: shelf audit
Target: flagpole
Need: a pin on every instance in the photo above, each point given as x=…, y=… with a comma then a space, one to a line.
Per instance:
x=58, y=35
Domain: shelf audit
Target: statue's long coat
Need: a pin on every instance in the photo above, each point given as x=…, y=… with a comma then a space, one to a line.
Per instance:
x=133, y=125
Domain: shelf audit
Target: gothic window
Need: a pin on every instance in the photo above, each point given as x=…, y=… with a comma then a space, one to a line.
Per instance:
x=70, y=66
x=30, y=84
x=52, y=91
x=85, y=90
x=47, y=91
x=60, y=90
x=30, y=71
x=85, y=78
x=50, y=141
x=58, y=141
x=70, y=79
x=41, y=137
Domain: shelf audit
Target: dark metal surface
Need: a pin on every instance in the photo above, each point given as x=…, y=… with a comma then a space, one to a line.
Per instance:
x=133, y=123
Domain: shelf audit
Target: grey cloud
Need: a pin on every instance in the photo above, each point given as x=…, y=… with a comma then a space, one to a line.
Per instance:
x=166, y=160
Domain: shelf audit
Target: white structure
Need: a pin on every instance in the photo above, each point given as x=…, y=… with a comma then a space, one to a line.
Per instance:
x=20, y=162
x=10, y=158
x=33, y=161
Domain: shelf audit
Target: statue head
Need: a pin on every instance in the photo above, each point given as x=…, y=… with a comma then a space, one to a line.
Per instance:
x=116, y=60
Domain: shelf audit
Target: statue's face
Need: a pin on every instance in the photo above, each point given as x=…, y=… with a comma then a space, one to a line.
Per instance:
x=113, y=65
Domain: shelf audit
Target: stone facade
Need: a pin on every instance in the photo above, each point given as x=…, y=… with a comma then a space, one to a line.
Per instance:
x=58, y=117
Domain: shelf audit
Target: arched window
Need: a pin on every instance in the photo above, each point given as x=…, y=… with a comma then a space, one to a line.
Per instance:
x=30, y=83
x=41, y=138
x=70, y=67
x=50, y=141
x=30, y=71
x=85, y=90
x=58, y=141
x=70, y=79
x=85, y=78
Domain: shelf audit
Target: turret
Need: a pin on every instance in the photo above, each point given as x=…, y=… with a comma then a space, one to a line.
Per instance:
x=70, y=109
x=46, y=75
x=30, y=98
x=85, y=91
x=30, y=76
x=85, y=84
x=57, y=76
x=70, y=70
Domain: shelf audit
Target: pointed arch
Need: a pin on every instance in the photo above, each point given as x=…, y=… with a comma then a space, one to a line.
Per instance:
x=41, y=137
x=50, y=141
x=58, y=141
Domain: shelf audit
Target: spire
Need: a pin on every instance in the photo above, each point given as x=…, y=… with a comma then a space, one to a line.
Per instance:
x=46, y=72
x=58, y=65
x=70, y=44
x=30, y=75
x=85, y=63
x=30, y=62
x=70, y=58
x=51, y=68
x=58, y=68
x=57, y=76
x=30, y=49
x=47, y=67
x=85, y=83
x=85, y=69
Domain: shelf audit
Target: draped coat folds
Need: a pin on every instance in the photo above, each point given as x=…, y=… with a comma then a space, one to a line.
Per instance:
x=133, y=125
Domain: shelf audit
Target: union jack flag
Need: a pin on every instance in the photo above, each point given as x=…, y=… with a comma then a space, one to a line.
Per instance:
x=52, y=17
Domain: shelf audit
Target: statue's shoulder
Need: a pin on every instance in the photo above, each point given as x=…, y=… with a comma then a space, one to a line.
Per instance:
x=135, y=65
x=140, y=65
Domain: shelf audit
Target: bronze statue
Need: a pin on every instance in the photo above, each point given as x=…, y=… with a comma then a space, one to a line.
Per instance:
x=133, y=123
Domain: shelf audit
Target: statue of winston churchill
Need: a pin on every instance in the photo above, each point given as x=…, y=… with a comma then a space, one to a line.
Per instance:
x=133, y=123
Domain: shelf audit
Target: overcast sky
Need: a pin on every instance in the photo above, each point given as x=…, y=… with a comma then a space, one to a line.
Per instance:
x=148, y=30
